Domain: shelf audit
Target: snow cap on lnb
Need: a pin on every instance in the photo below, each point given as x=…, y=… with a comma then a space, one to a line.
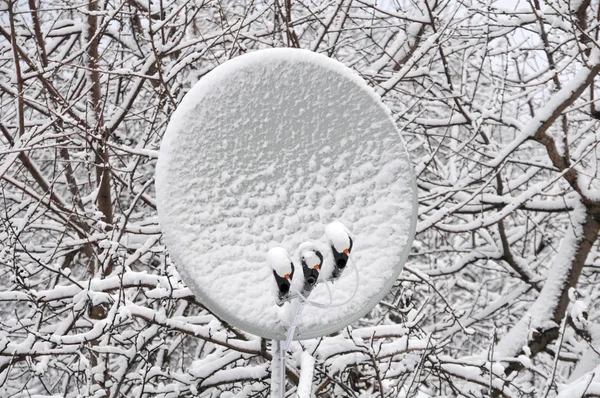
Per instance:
x=279, y=260
x=308, y=253
x=338, y=236
x=311, y=259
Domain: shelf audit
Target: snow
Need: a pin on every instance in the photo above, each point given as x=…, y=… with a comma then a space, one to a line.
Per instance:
x=308, y=253
x=574, y=5
x=201, y=369
x=279, y=260
x=590, y=358
x=555, y=105
x=338, y=236
x=540, y=315
x=586, y=386
x=579, y=313
x=266, y=151
x=589, y=185
x=306, y=375
x=403, y=72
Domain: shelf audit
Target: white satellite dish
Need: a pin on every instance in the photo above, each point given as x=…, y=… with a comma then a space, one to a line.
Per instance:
x=266, y=151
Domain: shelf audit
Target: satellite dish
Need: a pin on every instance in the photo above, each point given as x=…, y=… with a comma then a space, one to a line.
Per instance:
x=266, y=151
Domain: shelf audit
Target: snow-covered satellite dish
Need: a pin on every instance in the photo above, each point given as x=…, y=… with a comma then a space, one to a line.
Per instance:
x=266, y=151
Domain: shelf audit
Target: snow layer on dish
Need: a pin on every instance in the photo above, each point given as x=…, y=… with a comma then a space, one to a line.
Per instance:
x=266, y=151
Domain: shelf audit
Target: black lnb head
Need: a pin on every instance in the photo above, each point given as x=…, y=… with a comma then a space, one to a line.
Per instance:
x=311, y=272
x=283, y=271
x=283, y=283
x=341, y=259
x=341, y=246
x=312, y=261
